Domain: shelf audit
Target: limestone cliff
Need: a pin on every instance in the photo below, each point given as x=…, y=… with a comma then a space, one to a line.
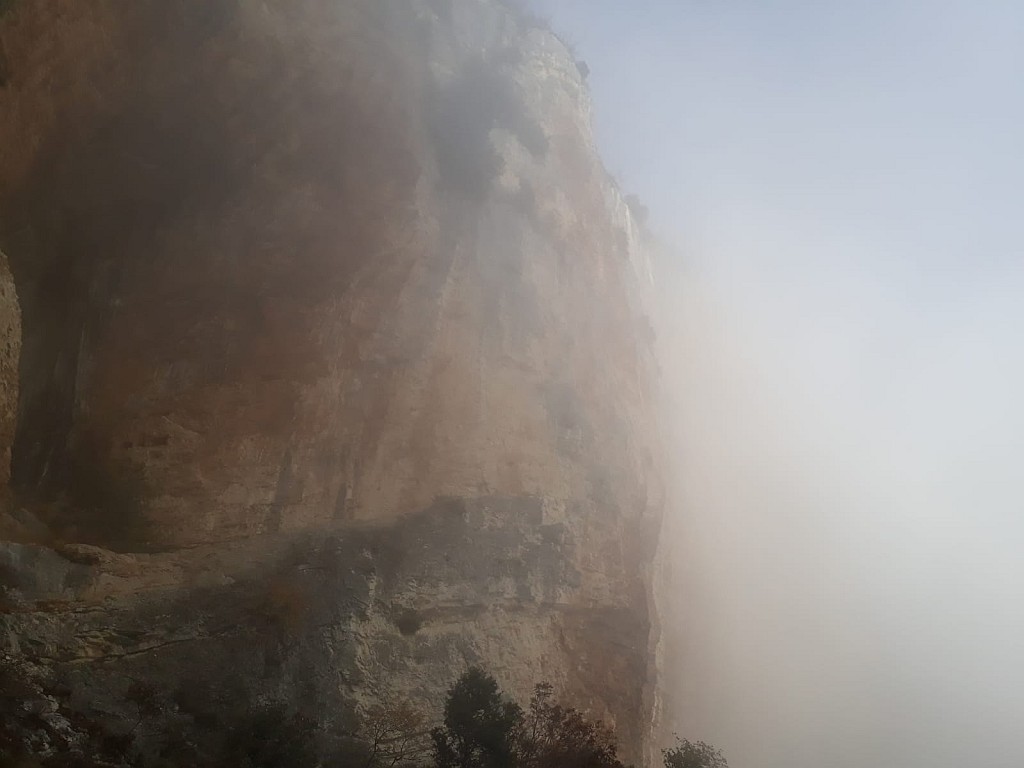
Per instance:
x=334, y=370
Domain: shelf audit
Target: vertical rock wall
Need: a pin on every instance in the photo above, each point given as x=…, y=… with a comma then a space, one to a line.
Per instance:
x=10, y=349
x=333, y=300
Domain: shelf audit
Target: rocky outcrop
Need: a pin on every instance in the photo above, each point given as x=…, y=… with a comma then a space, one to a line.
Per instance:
x=335, y=375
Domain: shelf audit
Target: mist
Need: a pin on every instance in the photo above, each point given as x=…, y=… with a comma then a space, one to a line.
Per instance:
x=840, y=184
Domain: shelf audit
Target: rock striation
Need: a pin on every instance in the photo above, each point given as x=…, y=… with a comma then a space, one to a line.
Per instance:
x=335, y=374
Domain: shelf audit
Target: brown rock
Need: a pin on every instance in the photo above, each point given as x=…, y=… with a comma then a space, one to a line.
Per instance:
x=10, y=348
x=331, y=270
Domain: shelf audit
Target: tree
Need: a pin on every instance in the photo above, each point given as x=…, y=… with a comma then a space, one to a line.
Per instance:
x=394, y=736
x=552, y=736
x=479, y=725
x=693, y=754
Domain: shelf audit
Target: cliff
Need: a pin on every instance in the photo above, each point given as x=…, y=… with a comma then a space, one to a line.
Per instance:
x=10, y=351
x=334, y=370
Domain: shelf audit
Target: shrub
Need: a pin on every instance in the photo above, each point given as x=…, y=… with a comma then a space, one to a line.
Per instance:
x=553, y=736
x=391, y=735
x=482, y=729
x=693, y=754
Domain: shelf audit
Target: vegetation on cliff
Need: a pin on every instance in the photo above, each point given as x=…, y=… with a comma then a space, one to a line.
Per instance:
x=480, y=728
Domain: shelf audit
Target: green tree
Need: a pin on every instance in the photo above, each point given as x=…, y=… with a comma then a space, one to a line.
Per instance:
x=693, y=754
x=479, y=725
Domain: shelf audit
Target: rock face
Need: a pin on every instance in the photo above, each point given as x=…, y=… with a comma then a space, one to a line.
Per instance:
x=10, y=348
x=335, y=375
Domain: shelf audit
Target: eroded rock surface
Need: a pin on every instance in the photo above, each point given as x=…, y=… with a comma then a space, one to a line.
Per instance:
x=335, y=373
x=10, y=349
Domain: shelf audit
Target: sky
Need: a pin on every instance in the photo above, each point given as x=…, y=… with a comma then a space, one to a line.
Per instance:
x=841, y=187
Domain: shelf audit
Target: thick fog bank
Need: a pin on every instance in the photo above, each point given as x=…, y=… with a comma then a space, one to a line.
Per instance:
x=843, y=343
x=849, y=527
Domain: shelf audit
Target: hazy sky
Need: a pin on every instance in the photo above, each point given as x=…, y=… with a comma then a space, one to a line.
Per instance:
x=842, y=181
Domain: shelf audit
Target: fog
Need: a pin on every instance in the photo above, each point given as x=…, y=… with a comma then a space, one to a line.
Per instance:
x=841, y=186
